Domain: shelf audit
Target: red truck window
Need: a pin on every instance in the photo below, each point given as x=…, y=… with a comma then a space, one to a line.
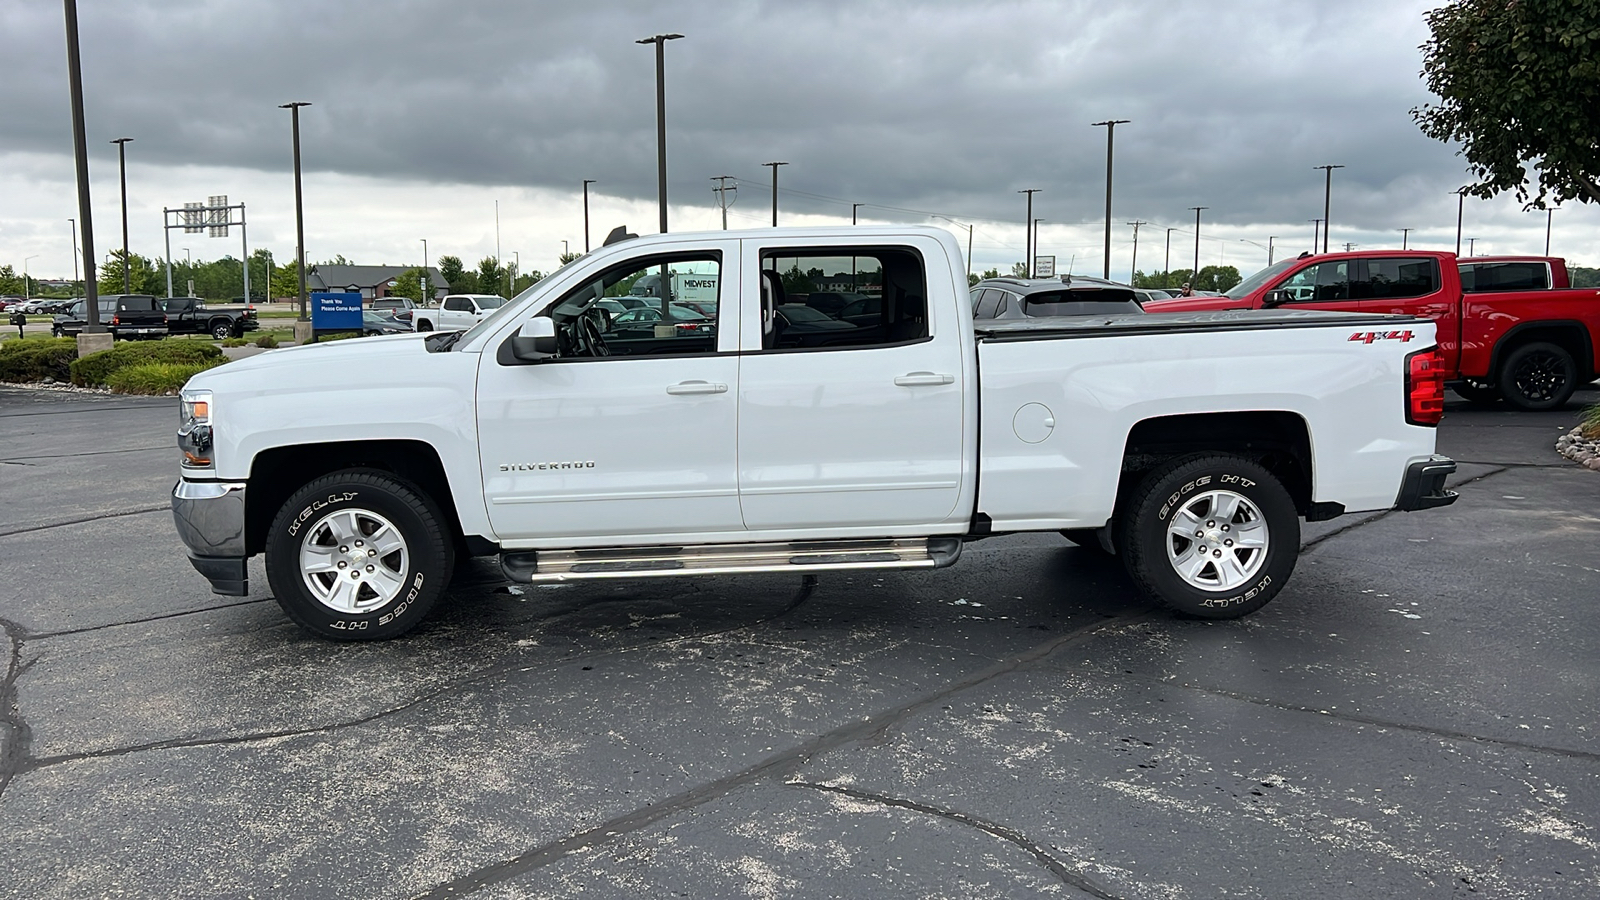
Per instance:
x=1399, y=278
x=1486, y=278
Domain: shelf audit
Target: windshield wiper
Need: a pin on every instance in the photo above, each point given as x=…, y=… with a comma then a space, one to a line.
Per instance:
x=439, y=343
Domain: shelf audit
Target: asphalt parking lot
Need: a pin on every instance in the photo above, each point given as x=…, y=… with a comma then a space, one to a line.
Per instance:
x=1415, y=715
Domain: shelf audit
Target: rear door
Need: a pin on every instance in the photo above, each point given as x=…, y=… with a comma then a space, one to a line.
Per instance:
x=856, y=428
x=1411, y=286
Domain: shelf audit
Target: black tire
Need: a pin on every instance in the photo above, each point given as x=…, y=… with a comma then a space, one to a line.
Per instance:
x=222, y=329
x=55, y=331
x=424, y=325
x=1186, y=486
x=1087, y=538
x=421, y=568
x=1478, y=393
x=1538, y=376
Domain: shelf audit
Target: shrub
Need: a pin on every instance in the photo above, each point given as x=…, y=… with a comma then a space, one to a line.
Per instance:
x=234, y=342
x=267, y=341
x=341, y=336
x=1591, y=423
x=156, y=378
x=37, y=359
x=96, y=368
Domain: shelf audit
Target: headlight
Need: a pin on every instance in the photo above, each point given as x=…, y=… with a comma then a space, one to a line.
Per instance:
x=194, y=428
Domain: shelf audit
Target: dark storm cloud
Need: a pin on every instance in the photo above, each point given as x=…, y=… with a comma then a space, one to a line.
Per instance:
x=927, y=105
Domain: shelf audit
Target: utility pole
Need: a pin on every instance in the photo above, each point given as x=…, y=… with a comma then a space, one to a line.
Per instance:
x=1166, y=264
x=721, y=190
x=1405, y=238
x=498, y=262
x=122, y=167
x=1111, y=131
x=586, y=183
x=299, y=208
x=1194, y=277
x=1548, y=214
x=1349, y=247
x=774, y=166
x=1027, y=232
x=80, y=150
x=75, y=250
x=1472, y=246
x=1316, y=233
x=1461, y=203
x=1327, y=199
x=426, y=280
x=1134, y=267
x=853, y=208
x=660, y=41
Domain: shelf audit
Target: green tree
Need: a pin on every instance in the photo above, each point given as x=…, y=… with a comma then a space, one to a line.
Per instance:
x=143, y=274
x=1584, y=278
x=526, y=280
x=972, y=279
x=991, y=273
x=286, y=282
x=1217, y=278
x=456, y=276
x=491, y=276
x=1518, y=82
x=796, y=281
x=10, y=281
x=410, y=284
x=569, y=257
x=1019, y=270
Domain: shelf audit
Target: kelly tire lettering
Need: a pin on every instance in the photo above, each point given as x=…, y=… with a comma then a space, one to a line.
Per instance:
x=429, y=547
x=1146, y=525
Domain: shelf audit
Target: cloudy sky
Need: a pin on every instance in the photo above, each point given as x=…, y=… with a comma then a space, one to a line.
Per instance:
x=428, y=112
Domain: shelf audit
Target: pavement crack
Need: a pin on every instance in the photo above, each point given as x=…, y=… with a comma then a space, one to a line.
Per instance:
x=15, y=459
x=165, y=507
x=1067, y=874
x=778, y=765
x=1308, y=545
x=14, y=751
x=188, y=612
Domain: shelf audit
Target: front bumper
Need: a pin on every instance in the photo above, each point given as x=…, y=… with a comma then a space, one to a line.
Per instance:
x=209, y=516
x=1423, y=487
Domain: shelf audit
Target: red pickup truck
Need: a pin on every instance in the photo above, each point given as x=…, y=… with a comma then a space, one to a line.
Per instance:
x=1508, y=327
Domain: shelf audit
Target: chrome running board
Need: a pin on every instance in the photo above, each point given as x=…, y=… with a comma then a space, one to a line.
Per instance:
x=536, y=566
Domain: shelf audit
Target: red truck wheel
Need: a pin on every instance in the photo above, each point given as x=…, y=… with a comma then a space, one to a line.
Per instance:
x=1538, y=376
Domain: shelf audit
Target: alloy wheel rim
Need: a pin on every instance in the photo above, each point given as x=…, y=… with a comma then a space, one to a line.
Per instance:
x=1217, y=541
x=1539, y=376
x=354, y=561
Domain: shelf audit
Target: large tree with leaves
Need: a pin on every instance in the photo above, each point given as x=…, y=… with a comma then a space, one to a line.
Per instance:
x=1518, y=83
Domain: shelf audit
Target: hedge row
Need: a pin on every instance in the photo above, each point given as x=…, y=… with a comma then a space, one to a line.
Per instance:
x=37, y=359
x=156, y=378
x=96, y=369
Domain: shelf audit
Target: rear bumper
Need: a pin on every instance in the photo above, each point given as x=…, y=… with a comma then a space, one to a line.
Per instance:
x=1423, y=487
x=209, y=516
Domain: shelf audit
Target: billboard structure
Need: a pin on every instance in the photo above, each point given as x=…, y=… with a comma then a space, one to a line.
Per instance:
x=215, y=216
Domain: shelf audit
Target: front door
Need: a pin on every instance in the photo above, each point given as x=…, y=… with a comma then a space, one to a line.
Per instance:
x=848, y=425
x=628, y=436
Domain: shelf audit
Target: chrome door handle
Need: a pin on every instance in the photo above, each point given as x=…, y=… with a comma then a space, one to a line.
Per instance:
x=915, y=379
x=697, y=387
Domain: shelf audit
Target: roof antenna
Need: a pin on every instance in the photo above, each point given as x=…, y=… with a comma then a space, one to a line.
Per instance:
x=618, y=235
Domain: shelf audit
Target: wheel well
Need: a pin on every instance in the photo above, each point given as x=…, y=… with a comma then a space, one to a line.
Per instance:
x=280, y=471
x=1279, y=441
x=1570, y=336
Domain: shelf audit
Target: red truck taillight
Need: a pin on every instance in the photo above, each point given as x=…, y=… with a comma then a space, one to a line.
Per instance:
x=116, y=320
x=1425, y=387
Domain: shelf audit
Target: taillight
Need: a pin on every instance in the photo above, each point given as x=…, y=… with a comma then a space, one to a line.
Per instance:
x=1425, y=387
x=116, y=320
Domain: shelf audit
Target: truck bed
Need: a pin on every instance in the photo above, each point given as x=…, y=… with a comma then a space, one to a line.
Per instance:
x=1178, y=322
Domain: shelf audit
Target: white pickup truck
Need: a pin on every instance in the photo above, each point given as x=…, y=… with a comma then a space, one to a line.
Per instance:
x=1191, y=444
x=457, y=312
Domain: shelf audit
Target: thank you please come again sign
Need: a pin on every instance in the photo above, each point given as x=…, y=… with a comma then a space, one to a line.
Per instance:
x=335, y=311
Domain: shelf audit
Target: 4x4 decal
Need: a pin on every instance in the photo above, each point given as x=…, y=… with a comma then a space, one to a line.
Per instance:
x=1368, y=337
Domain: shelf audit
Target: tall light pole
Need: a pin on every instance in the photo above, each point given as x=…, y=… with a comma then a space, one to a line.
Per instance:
x=1461, y=204
x=516, y=267
x=1548, y=215
x=1327, y=199
x=1027, y=233
x=80, y=151
x=660, y=40
x=299, y=205
x=76, y=250
x=500, y=263
x=1194, y=277
x=1135, y=266
x=426, y=280
x=27, y=290
x=1111, y=132
x=586, y=183
x=1267, y=247
x=122, y=167
x=1316, y=233
x=1405, y=238
x=1166, y=264
x=774, y=166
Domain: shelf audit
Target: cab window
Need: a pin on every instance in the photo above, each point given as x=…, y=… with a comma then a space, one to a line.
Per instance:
x=1396, y=279
x=1320, y=283
x=644, y=307
x=884, y=291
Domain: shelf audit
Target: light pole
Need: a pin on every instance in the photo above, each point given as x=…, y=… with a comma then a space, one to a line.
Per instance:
x=1194, y=277
x=1327, y=199
x=516, y=266
x=80, y=152
x=1405, y=238
x=1135, y=266
x=1166, y=264
x=1316, y=233
x=122, y=168
x=299, y=206
x=75, y=250
x=1461, y=203
x=27, y=289
x=1548, y=215
x=1472, y=246
x=774, y=166
x=586, y=183
x=1027, y=233
x=1267, y=247
x=1111, y=131
x=425, y=280
x=660, y=41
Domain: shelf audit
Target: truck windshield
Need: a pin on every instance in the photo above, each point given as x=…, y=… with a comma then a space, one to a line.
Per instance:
x=489, y=302
x=1245, y=287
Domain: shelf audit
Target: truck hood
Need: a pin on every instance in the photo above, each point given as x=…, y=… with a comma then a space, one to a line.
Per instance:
x=348, y=360
x=1195, y=304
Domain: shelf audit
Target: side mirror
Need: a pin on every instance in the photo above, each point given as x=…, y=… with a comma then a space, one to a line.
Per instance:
x=535, y=340
x=1275, y=298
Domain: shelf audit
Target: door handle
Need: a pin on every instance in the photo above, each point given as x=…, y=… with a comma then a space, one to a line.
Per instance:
x=697, y=387
x=915, y=379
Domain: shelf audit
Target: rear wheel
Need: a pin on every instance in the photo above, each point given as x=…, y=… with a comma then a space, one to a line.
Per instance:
x=358, y=555
x=424, y=325
x=221, y=329
x=1538, y=376
x=1214, y=536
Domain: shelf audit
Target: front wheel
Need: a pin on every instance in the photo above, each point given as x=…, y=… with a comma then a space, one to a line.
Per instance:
x=222, y=330
x=358, y=555
x=1213, y=536
x=1538, y=376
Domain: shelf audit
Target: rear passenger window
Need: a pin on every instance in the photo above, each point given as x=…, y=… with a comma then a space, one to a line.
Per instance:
x=990, y=307
x=1485, y=278
x=1393, y=279
x=885, y=290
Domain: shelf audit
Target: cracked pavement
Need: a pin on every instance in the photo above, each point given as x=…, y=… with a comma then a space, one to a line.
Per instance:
x=1413, y=716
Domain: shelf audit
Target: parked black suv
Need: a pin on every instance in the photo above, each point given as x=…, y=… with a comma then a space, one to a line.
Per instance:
x=127, y=316
x=1021, y=298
